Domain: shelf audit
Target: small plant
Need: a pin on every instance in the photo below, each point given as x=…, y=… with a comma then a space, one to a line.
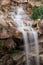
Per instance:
x=37, y=13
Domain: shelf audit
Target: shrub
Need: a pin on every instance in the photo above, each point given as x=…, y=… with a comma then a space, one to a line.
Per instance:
x=38, y=13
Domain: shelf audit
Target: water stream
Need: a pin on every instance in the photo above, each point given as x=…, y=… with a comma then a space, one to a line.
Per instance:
x=36, y=47
x=19, y=19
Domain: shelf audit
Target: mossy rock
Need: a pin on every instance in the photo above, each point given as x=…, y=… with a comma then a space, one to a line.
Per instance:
x=38, y=13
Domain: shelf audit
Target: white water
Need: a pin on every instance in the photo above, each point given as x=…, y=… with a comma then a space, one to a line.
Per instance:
x=36, y=47
x=19, y=22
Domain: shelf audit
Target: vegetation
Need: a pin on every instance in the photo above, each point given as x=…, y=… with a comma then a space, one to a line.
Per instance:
x=37, y=13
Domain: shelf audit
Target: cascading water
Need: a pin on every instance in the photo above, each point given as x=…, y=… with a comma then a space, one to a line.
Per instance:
x=36, y=47
x=19, y=19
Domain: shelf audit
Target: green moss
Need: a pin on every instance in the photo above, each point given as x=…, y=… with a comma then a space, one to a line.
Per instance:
x=38, y=13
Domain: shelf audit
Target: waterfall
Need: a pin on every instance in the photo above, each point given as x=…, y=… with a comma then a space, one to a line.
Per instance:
x=36, y=47
x=19, y=19
x=27, y=50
